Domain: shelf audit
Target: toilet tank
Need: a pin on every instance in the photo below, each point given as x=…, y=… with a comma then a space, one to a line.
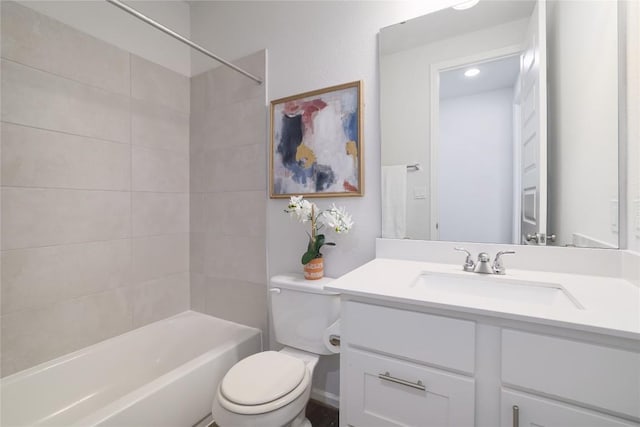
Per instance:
x=301, y=311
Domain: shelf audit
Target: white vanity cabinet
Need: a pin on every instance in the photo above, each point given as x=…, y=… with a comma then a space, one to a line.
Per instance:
x=523, y=409
x=405, y=368
x=412, y=367
x=600, y=378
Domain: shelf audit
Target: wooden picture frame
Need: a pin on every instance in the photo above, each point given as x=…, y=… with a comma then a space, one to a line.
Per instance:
x=316, y=143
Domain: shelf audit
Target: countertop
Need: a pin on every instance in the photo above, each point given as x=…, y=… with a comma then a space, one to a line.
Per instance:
x=610, y=305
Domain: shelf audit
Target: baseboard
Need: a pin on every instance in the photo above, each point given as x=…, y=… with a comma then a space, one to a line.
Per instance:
x=325, y=397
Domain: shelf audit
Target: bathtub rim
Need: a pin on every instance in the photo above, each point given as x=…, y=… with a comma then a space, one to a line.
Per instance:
x=9, y=379
x=144, y=390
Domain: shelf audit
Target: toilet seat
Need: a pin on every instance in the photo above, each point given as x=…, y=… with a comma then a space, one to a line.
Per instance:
x=263, y=382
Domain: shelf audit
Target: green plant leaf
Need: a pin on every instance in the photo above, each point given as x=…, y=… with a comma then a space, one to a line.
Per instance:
x=308, y=256
x=318, y=243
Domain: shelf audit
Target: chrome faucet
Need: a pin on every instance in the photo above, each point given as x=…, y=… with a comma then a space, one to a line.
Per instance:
x=468, y=265
x=498, y=266
x=482, y=265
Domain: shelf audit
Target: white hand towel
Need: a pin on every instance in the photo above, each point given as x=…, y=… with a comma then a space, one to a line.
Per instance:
x=394, y=201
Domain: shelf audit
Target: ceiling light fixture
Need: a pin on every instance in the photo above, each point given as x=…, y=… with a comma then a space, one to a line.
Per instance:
x=466, y=5
x=471, y=72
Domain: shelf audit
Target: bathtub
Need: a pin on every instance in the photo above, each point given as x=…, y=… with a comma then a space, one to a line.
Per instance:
x=163, y=374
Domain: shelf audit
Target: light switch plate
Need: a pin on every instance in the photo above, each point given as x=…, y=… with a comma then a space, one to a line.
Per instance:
x=420, y=192
x=614, y=215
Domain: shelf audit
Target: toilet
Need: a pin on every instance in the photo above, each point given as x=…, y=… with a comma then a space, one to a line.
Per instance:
x=272, y=388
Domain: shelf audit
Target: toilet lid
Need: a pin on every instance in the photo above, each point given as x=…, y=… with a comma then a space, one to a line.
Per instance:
x=262, y=378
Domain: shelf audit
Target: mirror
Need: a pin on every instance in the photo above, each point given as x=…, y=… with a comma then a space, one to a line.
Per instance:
x=499, y=124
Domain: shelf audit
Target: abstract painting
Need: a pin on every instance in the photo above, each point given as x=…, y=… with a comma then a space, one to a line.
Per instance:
x=316, y=143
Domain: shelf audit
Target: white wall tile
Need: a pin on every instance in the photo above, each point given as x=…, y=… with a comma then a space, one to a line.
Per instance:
x=198, y=292
x=236, y=257
x=242, y=123
x=30, y=337
x=160, y=298
x=237, y=301
x=160, y=213
x=37, y=277
x=155, y=126
x=159, y=256
x=42, y=217
x=197, y=256
x=223, y=86
x=79, y=134
x=40, y=42
x=230, y=169
x=160, y=170
x=233, y=213
x=154, y=83
x=35, y=98
x=39, y=158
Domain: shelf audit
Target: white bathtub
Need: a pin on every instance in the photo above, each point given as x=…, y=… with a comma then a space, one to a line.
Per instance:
x=163, y=374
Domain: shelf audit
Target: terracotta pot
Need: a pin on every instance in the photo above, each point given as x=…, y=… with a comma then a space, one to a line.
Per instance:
x=314, y=269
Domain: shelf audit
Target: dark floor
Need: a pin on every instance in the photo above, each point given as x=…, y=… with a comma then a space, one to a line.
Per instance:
x=322, y=415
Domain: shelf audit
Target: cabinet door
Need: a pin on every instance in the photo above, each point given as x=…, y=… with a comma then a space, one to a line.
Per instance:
x=382, y=391
x=539, y=412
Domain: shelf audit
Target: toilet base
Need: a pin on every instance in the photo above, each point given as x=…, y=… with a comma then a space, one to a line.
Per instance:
x=300, y=420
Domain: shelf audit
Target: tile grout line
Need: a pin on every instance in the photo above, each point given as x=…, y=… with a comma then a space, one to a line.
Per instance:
x=95, y=139
x=89, y=242
x=129, y=190
x=61, y=76
x=130, y=284
x=102, y=89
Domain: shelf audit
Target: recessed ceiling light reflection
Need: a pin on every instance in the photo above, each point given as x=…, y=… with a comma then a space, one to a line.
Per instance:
x=471, y=72
x=466, y=5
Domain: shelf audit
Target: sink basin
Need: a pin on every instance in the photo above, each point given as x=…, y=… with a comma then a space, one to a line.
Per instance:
x=498, y=288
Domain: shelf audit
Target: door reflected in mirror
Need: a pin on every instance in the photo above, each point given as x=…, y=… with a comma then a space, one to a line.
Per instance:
x=474, y=151
x=511, y=109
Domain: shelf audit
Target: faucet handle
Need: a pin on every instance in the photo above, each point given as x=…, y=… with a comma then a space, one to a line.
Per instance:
x=468, y=263
x=498, y=265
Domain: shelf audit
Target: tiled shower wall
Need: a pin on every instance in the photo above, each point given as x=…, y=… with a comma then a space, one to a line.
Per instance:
x=95, y=190
x=228, y=194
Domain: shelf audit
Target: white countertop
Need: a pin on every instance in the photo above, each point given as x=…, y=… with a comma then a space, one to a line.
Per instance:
x=611, y=305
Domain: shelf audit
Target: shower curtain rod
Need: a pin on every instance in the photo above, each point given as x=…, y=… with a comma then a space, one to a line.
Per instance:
x=184, y=40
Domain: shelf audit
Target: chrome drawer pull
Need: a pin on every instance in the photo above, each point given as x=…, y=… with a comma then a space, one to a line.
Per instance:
x=387, y=377
x=516, y=416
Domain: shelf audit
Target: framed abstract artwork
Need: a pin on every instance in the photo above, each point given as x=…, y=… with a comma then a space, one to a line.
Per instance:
x=316, y=143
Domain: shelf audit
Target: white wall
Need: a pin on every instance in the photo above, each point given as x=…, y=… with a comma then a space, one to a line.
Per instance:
x=405, y=89
x=312, y=45
x=475, y=167
x=583, y=119
x=108, y=23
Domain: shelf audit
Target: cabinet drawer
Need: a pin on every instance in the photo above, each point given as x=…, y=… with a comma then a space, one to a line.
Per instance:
x=598, y=376
x=422, y=337
x=537, y=411
x=383, y=391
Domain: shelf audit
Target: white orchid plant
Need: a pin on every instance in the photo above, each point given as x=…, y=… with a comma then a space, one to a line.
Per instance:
x=334, y=218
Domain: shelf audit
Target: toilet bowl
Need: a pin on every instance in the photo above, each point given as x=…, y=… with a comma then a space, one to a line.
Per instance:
x=272, y=388
x=267, y=389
